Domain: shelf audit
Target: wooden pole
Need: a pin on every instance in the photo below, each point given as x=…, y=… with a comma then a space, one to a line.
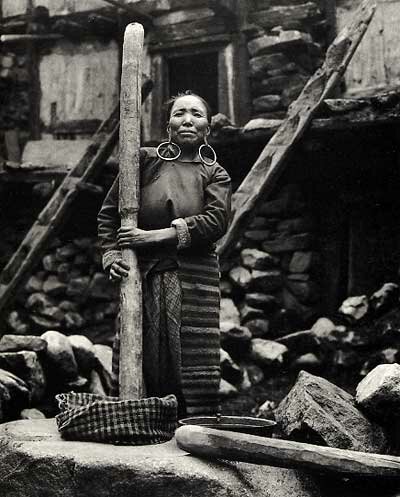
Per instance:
x=273, y=160
x=130, y=375
x=218, y=444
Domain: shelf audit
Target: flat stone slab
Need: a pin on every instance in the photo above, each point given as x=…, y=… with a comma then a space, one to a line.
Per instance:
x=35, y=461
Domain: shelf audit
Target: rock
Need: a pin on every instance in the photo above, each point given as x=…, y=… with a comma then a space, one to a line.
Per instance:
x=227, y=390
x=256, y=259
x=50, y=263
x=261, y=301
x=257, y=235
x=230, y=371
x=266, y=410
x=148, y=471
x=385, y=298
x=266, y=281
x=81, y=261
x=324, y=331
x=44, y=323
x=39, y=302
x=301, y=262
x=84, y=243
x=267, y=103
x=302, y=241
x=35, y=283
x=385, y=356
x=73, y=321
x=305, y=291
x=32, y=414
x=100, y=287
x=226, y=288
x=307, y=362
x=245, y=383
x=16, y=343
x=26, y=366
x=258, y=327
x=17, y=324
x=68, y=306
x=84, y=352
x=378, y=394
x=78, y=288
x=276, y=207
x=256, y=374
x=247, y=313
x=95, y=384
x=14, y=394
x=54, y=287
x=60, y=357
x=64, y=271
x=240, y=277
x=295, y=225
x=259, y=222
x=355, y=308
x=285, y=40
x=299, y=277
x=229, y=312
x=104, y=365
x=267, y=352
x=235, y=339
x=317, y=411
x=66, y=252
x=261, y=123
x=291, y=303
x=300, y=342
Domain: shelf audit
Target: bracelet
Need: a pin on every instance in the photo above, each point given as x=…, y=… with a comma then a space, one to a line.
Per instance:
x=182, y=232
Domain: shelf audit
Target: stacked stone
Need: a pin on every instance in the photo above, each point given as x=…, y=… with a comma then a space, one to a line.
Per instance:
x=273, y=280
x=283, y=53
x=35, y=368
x=14, y=87
x=69, y=292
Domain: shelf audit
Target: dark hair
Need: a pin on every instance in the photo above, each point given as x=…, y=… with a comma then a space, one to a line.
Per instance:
x=170, y=103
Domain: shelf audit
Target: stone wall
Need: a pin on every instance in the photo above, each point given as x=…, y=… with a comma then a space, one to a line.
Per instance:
x=272, y=277
x=285, y=47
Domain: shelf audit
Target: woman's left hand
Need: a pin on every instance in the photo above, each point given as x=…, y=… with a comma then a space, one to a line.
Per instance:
x=133, y=237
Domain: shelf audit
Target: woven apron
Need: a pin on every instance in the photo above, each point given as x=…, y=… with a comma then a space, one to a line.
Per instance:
x=188, y=333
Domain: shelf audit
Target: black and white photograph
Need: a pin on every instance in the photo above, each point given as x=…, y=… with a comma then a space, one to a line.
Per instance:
x=199, y=248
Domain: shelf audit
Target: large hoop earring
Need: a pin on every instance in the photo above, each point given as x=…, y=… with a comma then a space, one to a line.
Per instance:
x=206, y=160
x=167, y=146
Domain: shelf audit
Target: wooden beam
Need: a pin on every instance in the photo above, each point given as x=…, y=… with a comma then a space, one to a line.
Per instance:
x=273, y=160
x=16, y=38
x=217, y=444
x=139, y=16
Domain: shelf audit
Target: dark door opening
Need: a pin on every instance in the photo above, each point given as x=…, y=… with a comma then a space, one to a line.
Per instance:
x=199, y=73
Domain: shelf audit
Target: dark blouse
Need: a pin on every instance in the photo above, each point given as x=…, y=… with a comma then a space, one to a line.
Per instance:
x=192, y=191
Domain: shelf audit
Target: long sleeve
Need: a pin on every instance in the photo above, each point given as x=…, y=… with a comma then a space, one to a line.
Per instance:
x=212, y=223
x=108, y=222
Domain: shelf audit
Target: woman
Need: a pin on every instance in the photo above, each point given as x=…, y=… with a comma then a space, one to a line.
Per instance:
x=184, y=210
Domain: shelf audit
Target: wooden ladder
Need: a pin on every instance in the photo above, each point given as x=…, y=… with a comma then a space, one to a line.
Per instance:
x=80, y=178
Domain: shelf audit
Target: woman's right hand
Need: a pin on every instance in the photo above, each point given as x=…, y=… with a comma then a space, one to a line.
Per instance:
x=119, y=270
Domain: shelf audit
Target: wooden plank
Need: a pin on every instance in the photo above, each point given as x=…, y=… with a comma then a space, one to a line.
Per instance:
x=273, y=160
x=130, y=362
x=217, y=444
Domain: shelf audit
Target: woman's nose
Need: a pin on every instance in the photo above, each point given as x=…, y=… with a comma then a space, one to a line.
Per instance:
x=187, y=118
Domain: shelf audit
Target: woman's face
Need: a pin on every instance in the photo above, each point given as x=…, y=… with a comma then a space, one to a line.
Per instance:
x=188, y=121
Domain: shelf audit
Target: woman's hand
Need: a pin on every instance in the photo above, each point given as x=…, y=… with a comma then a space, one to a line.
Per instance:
x=118, y=270
x=134, y=237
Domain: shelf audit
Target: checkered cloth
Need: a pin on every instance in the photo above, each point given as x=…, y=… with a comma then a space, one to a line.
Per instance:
x=94, y=418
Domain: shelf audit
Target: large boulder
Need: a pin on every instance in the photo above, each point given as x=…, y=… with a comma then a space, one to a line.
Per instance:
x=378, y=394
x=60, y=357
x=14, y=395
x=229, y=312
x=318, y=411
x=84, y=352
x=26, y=366
x=65, y=469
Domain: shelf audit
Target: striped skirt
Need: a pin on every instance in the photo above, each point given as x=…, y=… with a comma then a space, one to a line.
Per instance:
x=197, y=335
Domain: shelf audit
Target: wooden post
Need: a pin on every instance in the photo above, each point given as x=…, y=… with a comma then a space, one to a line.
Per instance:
x=130, y=376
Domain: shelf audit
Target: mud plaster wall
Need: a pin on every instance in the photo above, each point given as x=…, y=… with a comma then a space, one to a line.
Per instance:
x=81, y=79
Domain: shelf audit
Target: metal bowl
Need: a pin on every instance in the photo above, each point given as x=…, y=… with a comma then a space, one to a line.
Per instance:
x=240, y=424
